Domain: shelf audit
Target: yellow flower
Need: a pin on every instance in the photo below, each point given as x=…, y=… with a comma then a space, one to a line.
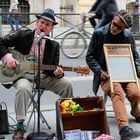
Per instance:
x=70, y=106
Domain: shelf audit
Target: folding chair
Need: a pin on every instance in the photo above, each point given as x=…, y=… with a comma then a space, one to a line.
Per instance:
x=35, y=107
x=105, y=100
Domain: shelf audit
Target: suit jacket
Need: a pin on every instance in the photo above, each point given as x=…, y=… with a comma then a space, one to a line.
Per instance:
x=22, y=42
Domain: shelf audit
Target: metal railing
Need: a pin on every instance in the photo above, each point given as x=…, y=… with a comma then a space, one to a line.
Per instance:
x=29, y=18
x=23, y=8
x=59, y=17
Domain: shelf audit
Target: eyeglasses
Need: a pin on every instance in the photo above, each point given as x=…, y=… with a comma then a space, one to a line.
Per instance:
x=116, y=25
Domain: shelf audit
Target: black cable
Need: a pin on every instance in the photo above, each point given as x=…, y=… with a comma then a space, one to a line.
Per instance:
x=12, y=128
x=4, y=104
x=12, y=119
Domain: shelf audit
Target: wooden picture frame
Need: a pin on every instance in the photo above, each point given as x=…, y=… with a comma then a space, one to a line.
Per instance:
x=120, y=63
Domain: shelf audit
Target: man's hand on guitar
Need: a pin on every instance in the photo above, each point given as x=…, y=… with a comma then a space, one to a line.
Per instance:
x=11, y=63
x=59, y=72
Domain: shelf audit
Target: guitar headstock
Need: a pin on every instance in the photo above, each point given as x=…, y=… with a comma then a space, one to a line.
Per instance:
x=82, y=70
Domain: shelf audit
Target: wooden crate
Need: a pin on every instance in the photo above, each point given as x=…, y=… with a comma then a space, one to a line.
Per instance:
x=90, y=119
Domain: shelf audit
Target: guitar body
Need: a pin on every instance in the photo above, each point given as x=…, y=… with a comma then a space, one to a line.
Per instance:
x=22, y=69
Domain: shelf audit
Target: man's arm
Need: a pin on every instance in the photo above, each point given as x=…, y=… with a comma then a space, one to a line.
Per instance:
x=5, y=42
x=91, y=56
x=3, y=48
x=136, y=57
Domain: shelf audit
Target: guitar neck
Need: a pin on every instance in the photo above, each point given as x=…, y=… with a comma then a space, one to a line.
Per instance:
x=83, y=70
x=53, y=67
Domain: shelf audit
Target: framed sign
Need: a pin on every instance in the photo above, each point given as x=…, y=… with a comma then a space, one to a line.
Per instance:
x=120, y=63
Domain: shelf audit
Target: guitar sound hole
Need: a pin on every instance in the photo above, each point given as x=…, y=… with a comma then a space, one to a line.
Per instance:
x=11, y=72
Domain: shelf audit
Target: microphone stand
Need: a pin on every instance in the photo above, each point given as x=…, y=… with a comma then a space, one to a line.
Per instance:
x=38, y=135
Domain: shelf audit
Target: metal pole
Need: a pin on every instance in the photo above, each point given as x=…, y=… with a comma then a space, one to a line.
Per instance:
x=135, y=28
x=0, y=23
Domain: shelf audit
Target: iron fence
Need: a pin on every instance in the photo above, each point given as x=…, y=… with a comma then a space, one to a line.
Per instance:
x=23, y=8
x=27, y=18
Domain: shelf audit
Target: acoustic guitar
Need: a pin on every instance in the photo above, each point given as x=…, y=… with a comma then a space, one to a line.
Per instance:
x=28, y=67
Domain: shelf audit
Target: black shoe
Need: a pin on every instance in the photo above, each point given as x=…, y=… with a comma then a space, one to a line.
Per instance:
x=128, y=133
x=138, y=119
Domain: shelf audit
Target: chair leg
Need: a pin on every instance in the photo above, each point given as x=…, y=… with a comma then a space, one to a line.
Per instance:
x=30, y=118
x=35, y=107
x=105, y=100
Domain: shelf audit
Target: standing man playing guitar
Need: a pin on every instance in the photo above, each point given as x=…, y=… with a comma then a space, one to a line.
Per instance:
x=24, y=41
